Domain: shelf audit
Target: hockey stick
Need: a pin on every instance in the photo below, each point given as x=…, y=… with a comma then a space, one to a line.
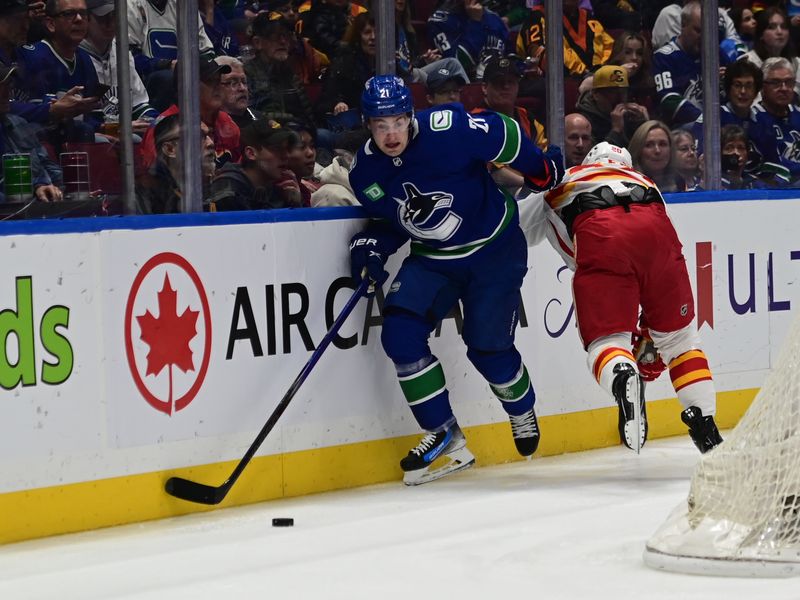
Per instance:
x=209, y=494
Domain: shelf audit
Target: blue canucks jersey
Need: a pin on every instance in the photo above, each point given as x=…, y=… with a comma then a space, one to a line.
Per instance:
x=471, y=42
x=438, y=192
x=43, y=75
x=777, y=142
x=679, y=83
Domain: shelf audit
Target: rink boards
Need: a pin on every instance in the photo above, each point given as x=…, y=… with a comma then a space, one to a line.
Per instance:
x=137, y=349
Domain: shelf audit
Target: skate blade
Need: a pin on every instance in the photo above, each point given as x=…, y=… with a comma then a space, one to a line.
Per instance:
x=635, y=434
x=453, y=462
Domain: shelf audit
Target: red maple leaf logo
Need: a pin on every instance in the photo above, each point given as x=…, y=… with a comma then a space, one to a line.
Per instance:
x=168, y=336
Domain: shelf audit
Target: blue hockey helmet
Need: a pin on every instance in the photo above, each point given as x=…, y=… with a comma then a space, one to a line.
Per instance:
x=384, y=96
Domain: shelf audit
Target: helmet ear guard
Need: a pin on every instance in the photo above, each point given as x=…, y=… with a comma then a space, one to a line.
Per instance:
x=605, y=152
x=385, y=96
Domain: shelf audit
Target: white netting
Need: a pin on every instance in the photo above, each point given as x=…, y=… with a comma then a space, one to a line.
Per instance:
x=743, y=512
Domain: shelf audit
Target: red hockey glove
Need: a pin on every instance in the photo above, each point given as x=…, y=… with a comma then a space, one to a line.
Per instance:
x=648, y=360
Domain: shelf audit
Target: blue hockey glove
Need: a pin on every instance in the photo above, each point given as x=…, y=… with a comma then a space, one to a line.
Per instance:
x=554, y=166
x=367, y=260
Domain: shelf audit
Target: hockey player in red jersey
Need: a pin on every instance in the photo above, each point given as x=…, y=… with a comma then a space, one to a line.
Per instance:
x=610, y=225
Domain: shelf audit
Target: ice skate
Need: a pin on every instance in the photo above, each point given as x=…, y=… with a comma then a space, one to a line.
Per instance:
x=702, y=430
x=438, y=454
x=525, y=429
x=629, y=393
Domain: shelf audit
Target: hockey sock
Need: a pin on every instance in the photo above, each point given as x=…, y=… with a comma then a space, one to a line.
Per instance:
x=517, y=395
x=424, y=387
x=692, y=381
x=603, y=359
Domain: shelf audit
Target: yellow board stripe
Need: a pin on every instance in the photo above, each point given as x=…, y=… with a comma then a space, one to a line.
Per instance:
x=91, y=505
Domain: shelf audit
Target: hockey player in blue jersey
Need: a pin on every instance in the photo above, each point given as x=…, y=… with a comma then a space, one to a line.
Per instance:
x=423, y=178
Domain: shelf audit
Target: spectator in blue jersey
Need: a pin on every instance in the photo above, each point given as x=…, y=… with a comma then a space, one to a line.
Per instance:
x=466, y=244
x=745, y=23
x=742, y=85
x=14, y=24
x=466, y=30
x=100, y=45
x=261, y=180
x=735, y=155
x=677, y=71
x=152, y=32
x=775, y=130
x=217, y=28
x=18, y=137
x=58, y=83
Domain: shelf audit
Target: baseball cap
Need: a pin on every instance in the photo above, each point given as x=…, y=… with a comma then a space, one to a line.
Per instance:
x=610, y=76
x=210, y=68
x=262, y=133
x=501, y=66
x=100, y=8
x=12, y=7
x=438, y=78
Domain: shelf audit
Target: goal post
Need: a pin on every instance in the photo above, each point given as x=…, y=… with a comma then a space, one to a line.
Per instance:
x=742, y=515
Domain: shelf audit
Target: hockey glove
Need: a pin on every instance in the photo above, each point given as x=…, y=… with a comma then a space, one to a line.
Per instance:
x=648, y=360
x=367, y=260
x=553, y=170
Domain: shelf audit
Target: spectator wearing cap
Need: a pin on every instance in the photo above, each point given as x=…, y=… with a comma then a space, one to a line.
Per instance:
x=58, y=80
x=275, y=88
x=236, y=94
x=307, y=62
x=500, y=89
x=99, y=43
x=14, y=25
x=606, y=106
x=152, y=32
x=159, y=190
x=18, y=137
x=217, y=28
x=224, y=130
x=444, y=86
x=260, y=181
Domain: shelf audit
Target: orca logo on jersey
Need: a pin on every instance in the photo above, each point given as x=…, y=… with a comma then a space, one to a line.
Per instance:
x=426, y=216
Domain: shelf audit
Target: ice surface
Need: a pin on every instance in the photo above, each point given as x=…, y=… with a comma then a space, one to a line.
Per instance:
x=568, y=527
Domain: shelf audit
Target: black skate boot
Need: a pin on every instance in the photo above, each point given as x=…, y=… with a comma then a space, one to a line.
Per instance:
x=525, y=429
x=702, y=430
x=449, y=445
x=629, y=393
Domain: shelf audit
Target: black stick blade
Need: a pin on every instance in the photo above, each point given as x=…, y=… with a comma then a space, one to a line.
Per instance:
x=195, y=492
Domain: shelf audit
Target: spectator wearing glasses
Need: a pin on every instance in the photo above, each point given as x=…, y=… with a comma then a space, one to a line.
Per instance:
x=687, y=165
x=236, y=94
x=444, y=86
x=58, y=84
x=99, y=43
x=159, y=191
x=775, y=127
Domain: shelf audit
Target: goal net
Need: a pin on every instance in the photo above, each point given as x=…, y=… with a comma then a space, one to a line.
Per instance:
x=742, y=515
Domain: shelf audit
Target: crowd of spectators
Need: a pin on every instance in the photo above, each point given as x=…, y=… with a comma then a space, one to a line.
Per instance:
x=280, y=84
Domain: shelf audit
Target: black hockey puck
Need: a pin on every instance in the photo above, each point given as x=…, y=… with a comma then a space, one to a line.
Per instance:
x=283, y=522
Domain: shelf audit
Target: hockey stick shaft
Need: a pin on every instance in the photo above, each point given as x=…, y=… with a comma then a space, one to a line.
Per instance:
x=207, y=494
